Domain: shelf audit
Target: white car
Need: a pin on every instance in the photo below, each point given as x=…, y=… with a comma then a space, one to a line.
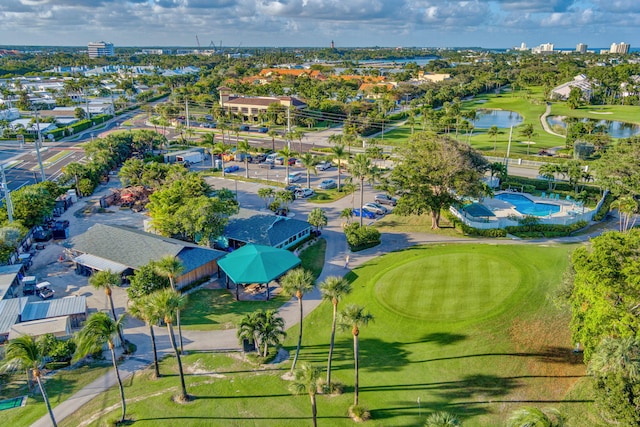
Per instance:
x=323, y=165
x=302, y=193
x=377, y=208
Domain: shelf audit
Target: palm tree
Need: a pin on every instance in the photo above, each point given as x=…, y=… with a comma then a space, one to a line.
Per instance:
x=548, y=171
x=627, y=209
x=141, y=308
x=24, y=353
x=338, y=153
x=106, y=279
x=244, y=148
x=533, y=417
x=266, y=194
x=263, y=328
x=309, y=162
x=287, y=154
x=221, y=148
x=297, y=282
x=273, y=133
x=333, y=289
x=100, y=329
x=442, y=419
x=346, y=214
x=353, y=317
x=209, y=141
x=167, y=303
x=305, y=380
x=617, y=356
x=493, y=132
x=361, y=169
x=171, y=267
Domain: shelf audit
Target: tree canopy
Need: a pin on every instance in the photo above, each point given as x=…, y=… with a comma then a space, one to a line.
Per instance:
x=619, y=170
x=435, y=172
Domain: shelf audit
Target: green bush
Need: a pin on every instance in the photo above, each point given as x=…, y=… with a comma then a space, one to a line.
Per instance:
x=471, y=231
x=545, y=230
x=604, y=208
x=360, y=238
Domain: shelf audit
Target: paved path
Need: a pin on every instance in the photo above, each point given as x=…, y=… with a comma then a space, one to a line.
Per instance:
x=226, y=340
x=545, y=125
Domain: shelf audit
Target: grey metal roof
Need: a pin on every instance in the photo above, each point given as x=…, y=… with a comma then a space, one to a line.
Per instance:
x=8, y=269
x=126, y=246
x=8, y=274
x=58, y=326
x=100, y=264
x=263, y=229
x=9, y=311
x=54, y=308
x=192, y=258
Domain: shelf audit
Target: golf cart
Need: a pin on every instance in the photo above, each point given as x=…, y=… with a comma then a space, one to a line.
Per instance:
x=28, y=285
x=43, y=290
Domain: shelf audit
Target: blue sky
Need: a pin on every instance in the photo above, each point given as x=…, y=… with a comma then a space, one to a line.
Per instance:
x=439, y=23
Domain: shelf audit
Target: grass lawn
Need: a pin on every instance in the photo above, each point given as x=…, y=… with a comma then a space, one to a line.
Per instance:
x=59, y=387
x=465, y=328
x=216, y=309
x=414, y=224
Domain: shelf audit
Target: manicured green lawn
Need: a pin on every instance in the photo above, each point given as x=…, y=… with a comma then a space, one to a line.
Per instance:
x=470, y=329
x=59, y=387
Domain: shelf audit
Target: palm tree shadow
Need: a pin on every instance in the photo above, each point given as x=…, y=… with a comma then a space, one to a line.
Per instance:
x=443, y=338
x=378, y=355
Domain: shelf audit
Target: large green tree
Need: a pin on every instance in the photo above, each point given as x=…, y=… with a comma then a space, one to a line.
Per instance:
x=618, y=170
x=436, y=171
x=605, y=292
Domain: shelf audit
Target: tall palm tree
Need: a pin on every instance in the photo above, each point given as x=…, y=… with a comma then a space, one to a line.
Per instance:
x=305, y=380
x=100, y=329
x=309, y=162
x=493, y=132
x=141, y=308
x=353, y=317
x=209, y=141
x=442, y=419
x=273, y=133
x=220, y=148
x=338, y=153
x=333, y=289
x=244, y=148
x=171, y=267
x=287, y=154
x=167, y=303
x=533, y=417
x=627, y=209
x=297, y=282
x=619, y=356
x=361, y=169
x=25, y=353
x=267, y=194
x=105, y=280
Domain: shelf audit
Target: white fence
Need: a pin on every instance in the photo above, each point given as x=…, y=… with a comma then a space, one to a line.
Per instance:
x=568, y=219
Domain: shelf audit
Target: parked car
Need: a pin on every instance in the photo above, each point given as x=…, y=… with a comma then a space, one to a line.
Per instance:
x=279, y=161
x=327, y=184
x=385, y=199
x=302, y=193
x=244, y=128
x=292, y=188
x=231, y=169
x=292, y=161
x=365, y=213
x=266, y=165
x=377, y=208
x=43, y=290
x=323, y=165
x=263, y=129
x=258, y=158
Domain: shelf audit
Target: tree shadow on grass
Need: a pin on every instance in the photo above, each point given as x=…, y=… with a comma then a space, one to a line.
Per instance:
x=549, y=354
x=443, y=338
x=378, y=355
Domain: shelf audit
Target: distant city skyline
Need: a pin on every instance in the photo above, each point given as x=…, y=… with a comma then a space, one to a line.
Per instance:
x=315, y=23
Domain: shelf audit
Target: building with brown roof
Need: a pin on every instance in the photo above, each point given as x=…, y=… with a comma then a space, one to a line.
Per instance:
x=251, y=106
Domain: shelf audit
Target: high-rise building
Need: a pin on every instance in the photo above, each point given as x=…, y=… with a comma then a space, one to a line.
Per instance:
x=581, y=48
x=621, y=47
x=98, y=49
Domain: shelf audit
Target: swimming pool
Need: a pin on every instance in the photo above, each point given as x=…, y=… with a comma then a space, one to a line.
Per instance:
x=526, y=206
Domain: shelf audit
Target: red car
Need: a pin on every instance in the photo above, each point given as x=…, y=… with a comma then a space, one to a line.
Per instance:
x=292, y=161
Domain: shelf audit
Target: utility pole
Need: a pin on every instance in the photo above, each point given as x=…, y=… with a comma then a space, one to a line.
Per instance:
x=7, y=194
x=289, y=128
x=186, y=110
x=506, y=160
x=86, y=103
x=38, y=144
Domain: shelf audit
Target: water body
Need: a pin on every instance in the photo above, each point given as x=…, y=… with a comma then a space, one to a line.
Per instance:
x=614, y=128
x=526, y=206
x=500, y=118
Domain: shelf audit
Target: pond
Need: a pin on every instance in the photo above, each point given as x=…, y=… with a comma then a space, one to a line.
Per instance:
x=614, y=129
x=501, y=118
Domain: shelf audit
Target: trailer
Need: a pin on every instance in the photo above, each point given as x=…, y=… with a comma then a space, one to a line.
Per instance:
x=190, y=157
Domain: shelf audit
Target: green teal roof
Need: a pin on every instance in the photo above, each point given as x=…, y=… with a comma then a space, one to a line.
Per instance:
x=257, y=264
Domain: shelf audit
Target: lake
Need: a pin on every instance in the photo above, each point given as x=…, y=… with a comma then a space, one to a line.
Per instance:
x=614, y=128
x=500, y=118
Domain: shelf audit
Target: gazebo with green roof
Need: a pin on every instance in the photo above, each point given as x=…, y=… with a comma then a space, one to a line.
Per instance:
x=256, y=264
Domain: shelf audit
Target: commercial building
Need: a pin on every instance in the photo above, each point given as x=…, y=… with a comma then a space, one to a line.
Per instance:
x=581, y=48
x=98, y=49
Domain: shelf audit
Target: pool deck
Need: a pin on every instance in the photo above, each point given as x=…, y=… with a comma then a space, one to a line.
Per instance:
x=504, y=209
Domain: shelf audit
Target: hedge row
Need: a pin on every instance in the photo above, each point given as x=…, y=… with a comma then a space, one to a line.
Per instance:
x=545, y=230
x=360, y=238
x=472, y=231
x=604, y=208
x=531, y=184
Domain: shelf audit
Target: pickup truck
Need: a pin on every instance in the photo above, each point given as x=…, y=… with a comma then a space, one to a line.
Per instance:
x=323, y=165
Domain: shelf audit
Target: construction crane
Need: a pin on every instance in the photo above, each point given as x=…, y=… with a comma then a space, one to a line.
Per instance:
x=198, y=41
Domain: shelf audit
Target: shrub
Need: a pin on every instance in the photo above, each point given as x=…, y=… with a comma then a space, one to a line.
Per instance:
x=471, y=231
x=604, y=208
x=359, y=413
x=360, y=238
